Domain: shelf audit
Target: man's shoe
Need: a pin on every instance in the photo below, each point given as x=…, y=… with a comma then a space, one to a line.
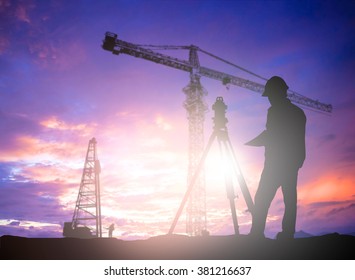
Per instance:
x=256, y=235
x=284, y=236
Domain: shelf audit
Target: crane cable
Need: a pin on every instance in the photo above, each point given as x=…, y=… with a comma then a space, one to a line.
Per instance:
x=167, y=47
x=163, y=47
x=232, y=64
x=245, y=70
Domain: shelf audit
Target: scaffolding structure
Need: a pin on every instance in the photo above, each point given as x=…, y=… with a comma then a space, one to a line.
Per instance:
x=87, y=211
x=196, y=108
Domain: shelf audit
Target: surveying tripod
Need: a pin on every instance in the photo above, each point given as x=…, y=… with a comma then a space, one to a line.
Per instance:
x=221, y=133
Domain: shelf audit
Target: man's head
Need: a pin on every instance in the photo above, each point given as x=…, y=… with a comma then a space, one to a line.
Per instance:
x=275, y=87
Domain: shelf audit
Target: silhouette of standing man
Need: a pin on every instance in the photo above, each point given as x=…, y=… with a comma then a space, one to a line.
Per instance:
x=110, y=230
x=284, y=141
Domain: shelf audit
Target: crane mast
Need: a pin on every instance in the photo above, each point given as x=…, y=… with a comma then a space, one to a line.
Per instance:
x=196, y=108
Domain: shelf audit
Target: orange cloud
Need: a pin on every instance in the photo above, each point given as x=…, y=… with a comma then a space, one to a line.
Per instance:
x=54, y=123
x=51, y=172
x=334, y=187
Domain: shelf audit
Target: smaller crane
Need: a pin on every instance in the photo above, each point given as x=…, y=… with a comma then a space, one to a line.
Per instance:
x=86, y=221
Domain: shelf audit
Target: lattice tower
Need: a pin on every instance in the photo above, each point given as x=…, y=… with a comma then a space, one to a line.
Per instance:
x=88, y=205
x=196, y=108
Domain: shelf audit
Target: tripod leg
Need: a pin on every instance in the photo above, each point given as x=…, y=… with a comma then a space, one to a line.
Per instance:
x=241, y=180
x=234, y=216
x=229, y=183
x=192, y=182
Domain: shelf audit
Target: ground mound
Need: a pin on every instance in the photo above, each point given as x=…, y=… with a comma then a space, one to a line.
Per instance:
x=178, y=247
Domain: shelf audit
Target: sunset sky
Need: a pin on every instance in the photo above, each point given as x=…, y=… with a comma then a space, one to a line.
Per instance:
x=59, y=88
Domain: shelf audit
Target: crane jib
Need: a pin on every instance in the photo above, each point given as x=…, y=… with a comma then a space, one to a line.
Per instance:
x=116, y=46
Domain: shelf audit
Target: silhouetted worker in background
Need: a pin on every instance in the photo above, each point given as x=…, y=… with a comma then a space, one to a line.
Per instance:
x=284, y=141
x=110, y=230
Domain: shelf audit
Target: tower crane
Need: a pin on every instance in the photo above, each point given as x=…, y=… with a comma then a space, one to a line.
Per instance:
x=196, y=106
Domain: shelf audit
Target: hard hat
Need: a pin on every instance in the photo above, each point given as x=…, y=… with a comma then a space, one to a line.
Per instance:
x=275, y=85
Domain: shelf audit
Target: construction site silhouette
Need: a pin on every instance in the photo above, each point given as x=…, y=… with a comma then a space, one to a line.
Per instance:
x=196, y=108
x=284, y=142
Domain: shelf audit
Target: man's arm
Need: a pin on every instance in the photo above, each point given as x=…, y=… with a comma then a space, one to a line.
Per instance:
x=259, y=140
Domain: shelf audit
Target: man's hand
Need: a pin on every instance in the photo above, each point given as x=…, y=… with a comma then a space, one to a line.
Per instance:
x=259, y=140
